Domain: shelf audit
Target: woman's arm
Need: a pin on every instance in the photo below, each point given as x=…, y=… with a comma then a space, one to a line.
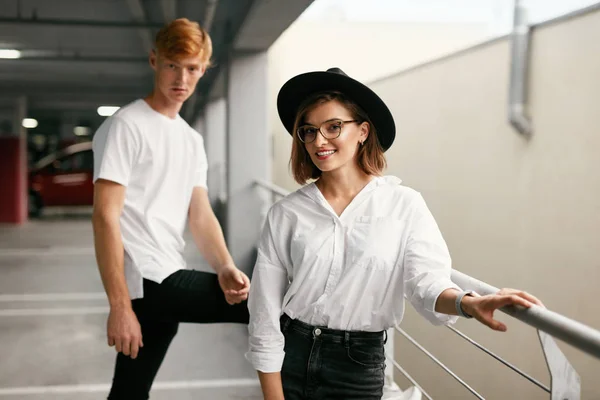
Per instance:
x=265, y=304
x=270, y=382
x=427, y=271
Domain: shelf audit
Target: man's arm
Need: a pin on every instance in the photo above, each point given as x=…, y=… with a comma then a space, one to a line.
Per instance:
x=207, y=232
x=209, y=239
x=108, y=204
x=123, y=329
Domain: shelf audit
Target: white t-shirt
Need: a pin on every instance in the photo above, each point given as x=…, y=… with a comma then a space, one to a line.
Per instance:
x=160, y=160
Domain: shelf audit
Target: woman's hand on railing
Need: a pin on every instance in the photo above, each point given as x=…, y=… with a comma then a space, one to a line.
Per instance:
x=482, y=307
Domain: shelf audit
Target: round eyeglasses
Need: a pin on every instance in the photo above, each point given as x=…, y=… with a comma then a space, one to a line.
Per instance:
x=331, y=129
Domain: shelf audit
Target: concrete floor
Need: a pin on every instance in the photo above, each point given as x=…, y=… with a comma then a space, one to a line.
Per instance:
x=52, y=325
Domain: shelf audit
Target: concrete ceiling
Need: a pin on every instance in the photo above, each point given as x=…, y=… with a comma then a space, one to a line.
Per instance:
x=80, y=54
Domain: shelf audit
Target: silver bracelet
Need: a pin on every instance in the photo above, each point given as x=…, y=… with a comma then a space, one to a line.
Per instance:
x=459, y=298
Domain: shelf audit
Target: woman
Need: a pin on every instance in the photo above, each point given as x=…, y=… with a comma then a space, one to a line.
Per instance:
x=338, y=256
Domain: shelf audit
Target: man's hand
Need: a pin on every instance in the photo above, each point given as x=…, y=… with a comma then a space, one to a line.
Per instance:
x=124, y=331
x=234, y=283
x=482, y=307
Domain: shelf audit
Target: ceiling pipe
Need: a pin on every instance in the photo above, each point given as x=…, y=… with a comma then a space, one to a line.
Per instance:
x=82, y=23
x=79, y=58
x=519, y=68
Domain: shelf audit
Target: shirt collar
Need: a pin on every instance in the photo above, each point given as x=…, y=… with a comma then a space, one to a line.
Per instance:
x=312, y=191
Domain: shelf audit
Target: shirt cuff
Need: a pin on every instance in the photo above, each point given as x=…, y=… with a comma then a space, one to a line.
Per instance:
x=266, y=362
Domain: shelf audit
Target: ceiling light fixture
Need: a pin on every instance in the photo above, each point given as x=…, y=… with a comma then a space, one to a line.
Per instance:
x=107, y=111
x=10, y=54
x=81, y=130
x=29, y=123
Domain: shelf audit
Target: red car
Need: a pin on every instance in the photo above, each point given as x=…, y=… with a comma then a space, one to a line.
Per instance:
x=63, y=178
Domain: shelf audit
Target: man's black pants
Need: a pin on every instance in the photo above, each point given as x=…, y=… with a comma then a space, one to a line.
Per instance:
x=185, y=296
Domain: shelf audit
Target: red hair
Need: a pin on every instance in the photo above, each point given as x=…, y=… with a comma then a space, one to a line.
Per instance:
x=183, y=38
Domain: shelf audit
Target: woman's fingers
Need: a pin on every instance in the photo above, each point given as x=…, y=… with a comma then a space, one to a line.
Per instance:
x=496, y=325
x=504, y=297
x=532, y=299
x=528, y=296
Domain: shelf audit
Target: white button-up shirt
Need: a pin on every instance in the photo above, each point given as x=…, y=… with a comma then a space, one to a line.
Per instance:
x=350, y=272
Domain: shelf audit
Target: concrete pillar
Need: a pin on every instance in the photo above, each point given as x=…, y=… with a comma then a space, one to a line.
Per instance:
x=13, y=169
x=19, y=115
x=23, y=167
x=247, y=153
x=214, y=132
x=199, y=125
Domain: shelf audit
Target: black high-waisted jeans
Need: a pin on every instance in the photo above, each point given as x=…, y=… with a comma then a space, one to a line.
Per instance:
x=323, y=363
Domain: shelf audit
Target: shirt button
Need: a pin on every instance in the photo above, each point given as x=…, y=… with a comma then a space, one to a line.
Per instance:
x=317, y=332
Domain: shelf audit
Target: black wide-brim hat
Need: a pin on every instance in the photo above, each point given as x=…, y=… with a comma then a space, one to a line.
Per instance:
x=295, y=91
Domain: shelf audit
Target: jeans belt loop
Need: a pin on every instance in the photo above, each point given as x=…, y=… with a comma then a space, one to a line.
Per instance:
x=347, y=339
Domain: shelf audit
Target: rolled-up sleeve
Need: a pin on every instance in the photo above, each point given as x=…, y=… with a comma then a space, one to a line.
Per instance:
x=265, y=302
x=427, y=265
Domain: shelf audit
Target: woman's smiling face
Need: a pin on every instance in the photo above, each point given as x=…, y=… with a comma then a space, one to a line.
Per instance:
x=345, y=135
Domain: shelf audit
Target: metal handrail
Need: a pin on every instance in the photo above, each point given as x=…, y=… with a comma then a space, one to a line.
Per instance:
x=439, y=363
x=274, y=189
x=410, y=378
x=500, y=359
x=568, y=330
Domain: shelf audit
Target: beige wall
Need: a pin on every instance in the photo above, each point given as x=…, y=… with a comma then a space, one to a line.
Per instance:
x=515, y=212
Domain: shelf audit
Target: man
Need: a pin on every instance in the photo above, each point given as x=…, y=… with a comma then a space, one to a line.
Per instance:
x=150, y=176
